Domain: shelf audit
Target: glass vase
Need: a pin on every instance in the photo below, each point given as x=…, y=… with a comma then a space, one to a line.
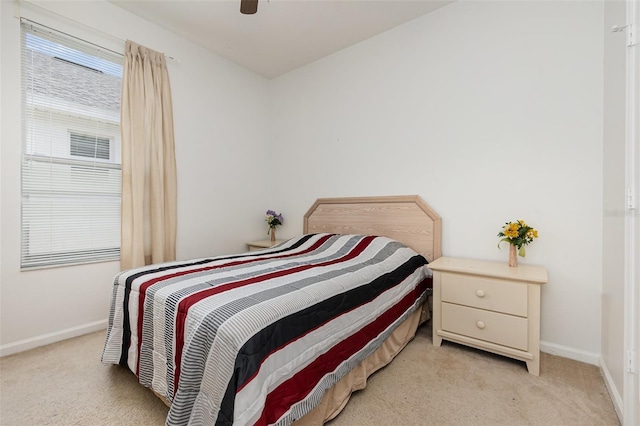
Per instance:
x=273, y=235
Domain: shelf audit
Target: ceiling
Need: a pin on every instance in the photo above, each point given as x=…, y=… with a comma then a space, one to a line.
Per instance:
x=284, y=34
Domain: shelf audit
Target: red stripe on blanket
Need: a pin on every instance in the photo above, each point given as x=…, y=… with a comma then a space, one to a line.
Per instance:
x=142, y=291
x=186, y=303
x=280, y=400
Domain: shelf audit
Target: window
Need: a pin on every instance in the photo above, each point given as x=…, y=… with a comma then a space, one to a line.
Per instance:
x=88, y=146
x=71, y=176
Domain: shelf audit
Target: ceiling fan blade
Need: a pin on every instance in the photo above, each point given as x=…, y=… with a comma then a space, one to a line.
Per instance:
x=248, y=7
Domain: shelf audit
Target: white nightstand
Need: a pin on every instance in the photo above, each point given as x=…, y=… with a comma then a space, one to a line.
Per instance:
x=490, y=306
x=257, y=245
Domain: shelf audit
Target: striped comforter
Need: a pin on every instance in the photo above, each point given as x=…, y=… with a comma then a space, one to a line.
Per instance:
x=257, y=338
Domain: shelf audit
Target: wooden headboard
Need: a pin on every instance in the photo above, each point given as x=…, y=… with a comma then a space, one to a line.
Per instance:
x=407, y=219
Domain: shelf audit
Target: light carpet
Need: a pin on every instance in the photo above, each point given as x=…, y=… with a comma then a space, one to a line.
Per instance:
x=65, y=384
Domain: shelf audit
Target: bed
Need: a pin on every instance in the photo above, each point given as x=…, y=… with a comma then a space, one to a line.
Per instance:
x=282, y=335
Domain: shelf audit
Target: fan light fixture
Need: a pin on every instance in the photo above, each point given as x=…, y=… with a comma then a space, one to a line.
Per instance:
x=248, y=7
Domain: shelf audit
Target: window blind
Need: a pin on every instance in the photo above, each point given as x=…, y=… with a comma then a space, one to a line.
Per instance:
x=71, y=178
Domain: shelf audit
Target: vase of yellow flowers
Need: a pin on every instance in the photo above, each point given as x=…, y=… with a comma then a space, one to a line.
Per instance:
x=273, y=219
x=518, y=234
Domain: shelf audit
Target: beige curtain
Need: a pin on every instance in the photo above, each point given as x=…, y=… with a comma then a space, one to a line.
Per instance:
x=148, y=231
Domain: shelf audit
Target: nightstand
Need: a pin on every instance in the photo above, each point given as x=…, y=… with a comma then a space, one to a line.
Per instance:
x=489, y=306
x=257, y=245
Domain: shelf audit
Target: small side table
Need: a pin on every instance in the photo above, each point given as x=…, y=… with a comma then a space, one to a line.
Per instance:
x=258, y=245
x=489, y=306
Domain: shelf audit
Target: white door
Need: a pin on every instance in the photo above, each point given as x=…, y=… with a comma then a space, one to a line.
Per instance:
x=632, y=220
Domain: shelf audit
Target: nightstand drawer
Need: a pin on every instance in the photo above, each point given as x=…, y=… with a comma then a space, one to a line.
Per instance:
x=506, y=330
x=495, y=295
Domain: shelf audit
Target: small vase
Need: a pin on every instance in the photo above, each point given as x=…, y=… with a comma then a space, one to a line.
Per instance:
x=513, y=256
x=273, y=235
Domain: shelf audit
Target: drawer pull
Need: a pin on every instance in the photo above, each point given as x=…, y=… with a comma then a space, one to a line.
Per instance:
x=479, y=293
x=480, y=325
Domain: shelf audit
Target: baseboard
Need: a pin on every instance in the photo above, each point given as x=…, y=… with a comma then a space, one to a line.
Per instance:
x=613, y=392
x=571, y=353
x=45, y=339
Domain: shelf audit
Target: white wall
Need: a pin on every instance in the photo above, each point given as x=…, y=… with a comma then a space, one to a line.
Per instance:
x=1, y=137
x=491, y=111
x=222, y=133
x=613, y=252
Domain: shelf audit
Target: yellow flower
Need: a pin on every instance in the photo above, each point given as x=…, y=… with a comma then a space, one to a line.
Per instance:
x=522, y=223
x=513, y=226
x=511, y=233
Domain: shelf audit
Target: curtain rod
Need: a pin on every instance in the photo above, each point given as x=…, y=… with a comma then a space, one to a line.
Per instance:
x=85, y=41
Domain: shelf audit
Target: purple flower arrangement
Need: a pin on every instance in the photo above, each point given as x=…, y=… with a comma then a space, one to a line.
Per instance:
x=274, y=219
